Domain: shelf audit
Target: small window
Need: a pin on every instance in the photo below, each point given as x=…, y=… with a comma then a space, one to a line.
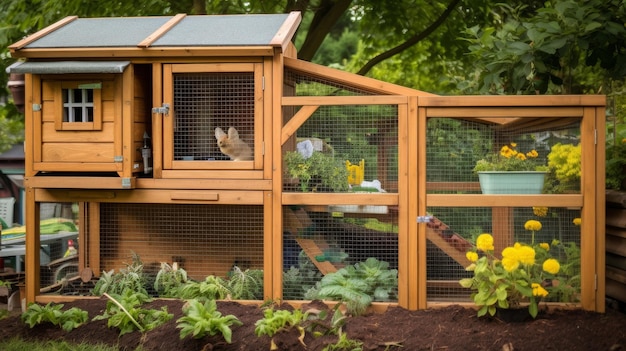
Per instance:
x=80, y=104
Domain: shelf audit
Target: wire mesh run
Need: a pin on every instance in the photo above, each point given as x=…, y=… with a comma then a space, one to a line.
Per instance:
x=454, y=147
x=203, y=240
x=205, y=101
x=316, y=244
x=453, y=232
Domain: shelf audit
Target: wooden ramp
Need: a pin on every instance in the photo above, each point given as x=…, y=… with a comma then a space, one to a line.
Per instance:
x=448, y=241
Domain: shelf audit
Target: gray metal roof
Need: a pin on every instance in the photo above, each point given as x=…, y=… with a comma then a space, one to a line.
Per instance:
x=62, y=67
x=223, y=30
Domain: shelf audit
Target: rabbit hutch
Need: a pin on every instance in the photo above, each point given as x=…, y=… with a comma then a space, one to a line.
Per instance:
x=204, y=141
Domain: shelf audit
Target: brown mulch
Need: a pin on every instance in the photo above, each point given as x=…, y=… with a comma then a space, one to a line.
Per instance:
x=449, y=328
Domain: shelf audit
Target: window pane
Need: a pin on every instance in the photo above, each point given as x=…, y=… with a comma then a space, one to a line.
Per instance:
x=77, y=95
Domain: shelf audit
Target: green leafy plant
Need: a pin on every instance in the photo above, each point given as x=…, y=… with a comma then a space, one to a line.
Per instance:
x=212, y=288
x=359, y=285
x=521, y=276
x=298, y=280
x=274, y=322
x=344, y=344
x=68, y=320
x=169, y=280
x=200, y=320
x=616, y=165
x=564, y=163
x=319, y=173
x=125, y=313
x=245, y=284
x=510, y=159
x=130, y=278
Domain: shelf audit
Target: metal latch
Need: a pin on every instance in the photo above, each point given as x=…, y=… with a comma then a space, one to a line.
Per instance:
x=118, y=158
x=164, y=109
x=424, y=219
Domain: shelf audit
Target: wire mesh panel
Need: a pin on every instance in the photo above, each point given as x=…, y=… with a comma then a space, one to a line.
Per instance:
x=316, y=244
x=204, y=240
x=456, y=149
x=557, y=236
x=205, y=101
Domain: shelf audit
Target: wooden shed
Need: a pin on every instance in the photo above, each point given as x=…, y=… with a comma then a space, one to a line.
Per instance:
x=320, y=168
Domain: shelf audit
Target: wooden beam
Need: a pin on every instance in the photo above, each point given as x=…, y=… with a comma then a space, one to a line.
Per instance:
x=42, y=33
x=166, y=27
x=286, y=31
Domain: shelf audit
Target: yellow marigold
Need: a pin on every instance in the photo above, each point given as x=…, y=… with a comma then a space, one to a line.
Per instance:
x=532, y=153
x=538, y=290
x=551, y=266
x=540, y=211
x=545, y=246
x=472, y=256
x=521, y=156
x=526, y=255
x=510, y=264
x=507, y=152
x=484, y=242
x=577, y=221
x=532, y=225
x=513, y=144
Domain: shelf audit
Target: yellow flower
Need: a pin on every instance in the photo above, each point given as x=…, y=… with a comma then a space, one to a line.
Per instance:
x=513, y=144
x=540, y=211
x=538, y=290
x=472, y=256
x=521, y=156
x=510, y=264
x=526, y=255
x=532, y=153
x=484, y=242
x=577, y=221
x=551, y=266
x=545, y=246
x=532, y=225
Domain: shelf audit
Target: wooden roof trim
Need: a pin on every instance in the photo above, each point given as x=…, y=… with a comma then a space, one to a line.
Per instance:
x=512, y=100
x=49, y=29
x=286, y=31
x=162, y=30
x=134, y=52
x=352, y=79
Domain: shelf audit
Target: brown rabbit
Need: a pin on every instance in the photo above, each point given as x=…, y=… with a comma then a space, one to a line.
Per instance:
x=232, y=146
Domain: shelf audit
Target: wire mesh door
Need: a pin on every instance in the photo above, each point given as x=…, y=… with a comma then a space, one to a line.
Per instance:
x=215, y=116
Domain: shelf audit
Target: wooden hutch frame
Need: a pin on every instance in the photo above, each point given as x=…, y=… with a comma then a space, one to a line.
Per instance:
x=260, y=182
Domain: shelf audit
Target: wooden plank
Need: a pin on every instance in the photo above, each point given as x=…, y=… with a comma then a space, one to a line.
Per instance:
x=296, y=122
x=510, y=100
x=616, y=274
x=70, y=182
x=616, y=217
x=166, y=27
x=51, y=135
x=150, y=52
x=480, y=200
x=616, y=245
x=214, y=183
x=327, y=199
x=440, y=242
x=343, y=100
x=77, y=167
x=286, y=31
x=78, y=152
x=504, y=115
x=312, y=250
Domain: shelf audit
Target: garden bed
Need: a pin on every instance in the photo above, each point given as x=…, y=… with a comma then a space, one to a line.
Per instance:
x=448, y=328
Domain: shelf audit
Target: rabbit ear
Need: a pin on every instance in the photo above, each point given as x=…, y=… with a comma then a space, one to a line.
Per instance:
x=219, y=133
x=232, y=133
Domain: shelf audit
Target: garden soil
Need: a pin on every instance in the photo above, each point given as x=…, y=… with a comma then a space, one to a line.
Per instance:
x=448, y=328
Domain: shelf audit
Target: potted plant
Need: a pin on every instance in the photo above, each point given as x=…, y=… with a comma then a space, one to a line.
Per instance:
x=519, y=279
x=511, y=172
x=320, y=172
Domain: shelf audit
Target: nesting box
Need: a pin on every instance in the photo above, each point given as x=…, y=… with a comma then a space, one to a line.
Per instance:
x=204, y=140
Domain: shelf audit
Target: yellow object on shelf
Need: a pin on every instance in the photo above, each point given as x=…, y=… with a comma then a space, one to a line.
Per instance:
x=355, y=172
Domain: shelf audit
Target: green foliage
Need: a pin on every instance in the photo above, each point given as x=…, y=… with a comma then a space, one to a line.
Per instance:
x=203, y=319
x=169, y=280
x=125, y=313
x=320, y=172
x=11, y=127
x=359, y=285
x=298, y=280
x=68, y=320
x=616, y=166
x=130, y=278
x=245, y=285
x=550, y=50
x=212, y=288
x=344, y=344
x=274, y=322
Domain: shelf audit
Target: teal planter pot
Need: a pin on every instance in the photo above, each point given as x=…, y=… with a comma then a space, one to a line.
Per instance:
x=511, y=182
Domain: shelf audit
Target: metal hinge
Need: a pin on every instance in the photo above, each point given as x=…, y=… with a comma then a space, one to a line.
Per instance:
x=126, y=183
x=36, y=107
x=263, y=83
x=424, y=219
x=164, y=109
x=118, y=158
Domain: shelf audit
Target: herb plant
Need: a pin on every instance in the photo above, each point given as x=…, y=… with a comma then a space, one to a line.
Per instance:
x=125, y=313
x=130, y=278
x=246, y=285
x=68, y=320
x=212, y=288
x=203, y=319
x=169, y=280
x=279, y=320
